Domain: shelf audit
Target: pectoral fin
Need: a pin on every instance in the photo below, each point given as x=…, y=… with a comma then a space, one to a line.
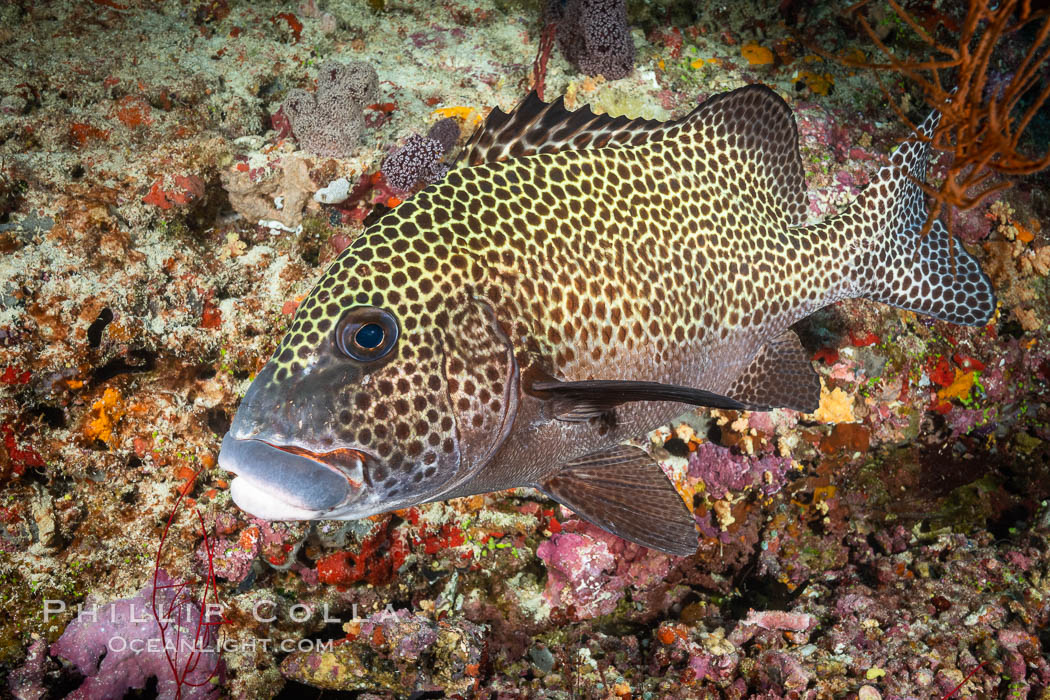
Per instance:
x=577, y=401
x=780, y=376
x=623, y=490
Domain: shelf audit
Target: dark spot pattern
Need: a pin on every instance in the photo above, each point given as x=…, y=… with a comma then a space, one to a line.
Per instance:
x=664, y=252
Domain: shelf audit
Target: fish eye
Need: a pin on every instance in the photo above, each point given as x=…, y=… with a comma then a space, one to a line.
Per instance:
x=369, y=336
x=367, y=333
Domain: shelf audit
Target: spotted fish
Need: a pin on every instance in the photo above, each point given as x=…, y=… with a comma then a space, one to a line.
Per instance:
x=570, y=287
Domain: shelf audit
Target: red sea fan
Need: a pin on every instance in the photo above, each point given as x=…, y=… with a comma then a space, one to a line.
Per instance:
x=984, y=113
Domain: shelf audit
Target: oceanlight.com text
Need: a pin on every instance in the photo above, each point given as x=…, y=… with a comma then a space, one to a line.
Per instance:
x=120, y=644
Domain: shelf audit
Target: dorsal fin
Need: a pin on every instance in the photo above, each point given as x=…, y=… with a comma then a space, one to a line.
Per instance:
x=535, y=126
x=751, y=123
x=750, y=136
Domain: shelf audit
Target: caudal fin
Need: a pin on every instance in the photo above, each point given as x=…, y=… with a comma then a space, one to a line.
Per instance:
x=901, y=268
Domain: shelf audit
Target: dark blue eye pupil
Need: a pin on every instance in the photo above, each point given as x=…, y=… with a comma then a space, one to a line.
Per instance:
x=366, y=334
x=369, y=335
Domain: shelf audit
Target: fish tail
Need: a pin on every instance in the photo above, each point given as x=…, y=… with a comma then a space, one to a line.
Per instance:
x=896, y=263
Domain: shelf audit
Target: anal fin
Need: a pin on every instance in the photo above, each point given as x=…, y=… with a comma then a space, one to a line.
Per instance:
x=623, y=490
x=780, y=376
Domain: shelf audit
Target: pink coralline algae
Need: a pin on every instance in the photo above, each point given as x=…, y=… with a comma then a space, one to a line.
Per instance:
x=681, y=646
x=27, y=681
x=590, y=569
x=329, y=122
x=771, y=620
x=962, y=421
x=409, y=635
x=593, y=36
x=778, y=672
x=233, y=556
x=972, y=225
x=118, y=647
x=722, y=471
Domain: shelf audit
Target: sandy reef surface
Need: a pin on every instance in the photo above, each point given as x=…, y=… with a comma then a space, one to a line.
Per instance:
x=158, y=225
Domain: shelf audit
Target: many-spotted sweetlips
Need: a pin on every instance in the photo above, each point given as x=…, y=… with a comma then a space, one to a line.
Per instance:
x=574, y=283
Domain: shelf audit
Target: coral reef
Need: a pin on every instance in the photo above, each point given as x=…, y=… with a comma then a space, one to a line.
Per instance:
x=399, y=652
x=329, y=122
x=590, y=569
x=593, y=36
x=157, y=234
x=419, y=159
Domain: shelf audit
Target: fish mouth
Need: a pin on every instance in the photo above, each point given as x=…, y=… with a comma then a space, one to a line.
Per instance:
x=287, y=482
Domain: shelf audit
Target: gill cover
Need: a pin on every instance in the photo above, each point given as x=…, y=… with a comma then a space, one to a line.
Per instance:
x=482, y=377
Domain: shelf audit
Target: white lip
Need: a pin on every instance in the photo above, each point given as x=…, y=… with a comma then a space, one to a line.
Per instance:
x=276, y=475
x=255, y=501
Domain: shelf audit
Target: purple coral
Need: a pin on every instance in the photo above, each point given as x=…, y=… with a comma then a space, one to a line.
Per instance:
x=419, y=160
x=27, y=681
x=445, y=132
x=329, y=122
x=119, y=647
x=593, y=35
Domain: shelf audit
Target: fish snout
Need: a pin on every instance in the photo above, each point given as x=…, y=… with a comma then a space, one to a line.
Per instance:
x=290, y=483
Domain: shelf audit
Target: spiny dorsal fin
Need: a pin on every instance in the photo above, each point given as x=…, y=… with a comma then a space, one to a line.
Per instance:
x=780, y=376
x=535, y=126
x=623, y=490
x=747, y=137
